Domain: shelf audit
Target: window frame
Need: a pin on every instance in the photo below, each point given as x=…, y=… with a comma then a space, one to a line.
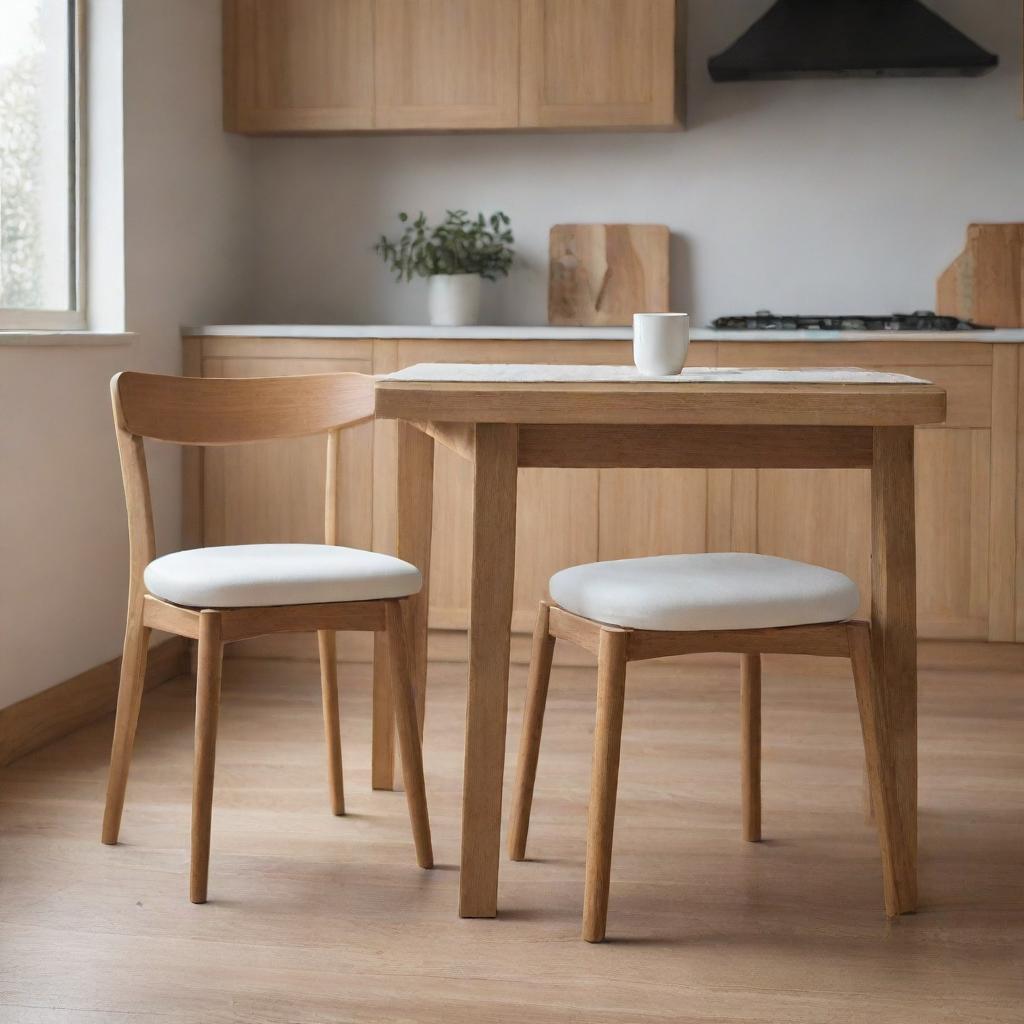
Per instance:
x=75, y=319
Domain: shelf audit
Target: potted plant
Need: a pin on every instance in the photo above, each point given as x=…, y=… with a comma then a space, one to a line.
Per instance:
x=454, y=256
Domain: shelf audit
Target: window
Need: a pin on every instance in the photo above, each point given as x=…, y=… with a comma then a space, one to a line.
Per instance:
x=40, y=193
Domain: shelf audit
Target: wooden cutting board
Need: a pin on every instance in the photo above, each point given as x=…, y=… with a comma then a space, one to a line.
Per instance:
x=601, y=274
x=985, y=283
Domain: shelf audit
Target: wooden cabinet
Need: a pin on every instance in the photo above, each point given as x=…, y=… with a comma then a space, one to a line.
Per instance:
x=446, y=64
x=970, y=489
x=298, y=65
x=450, y=65
x=590, y=63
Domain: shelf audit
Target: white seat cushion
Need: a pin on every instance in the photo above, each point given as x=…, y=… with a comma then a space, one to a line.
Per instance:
x=708, y=591
x=256, y=575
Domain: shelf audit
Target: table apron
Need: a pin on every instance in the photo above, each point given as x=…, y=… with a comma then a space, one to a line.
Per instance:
x=666, y=446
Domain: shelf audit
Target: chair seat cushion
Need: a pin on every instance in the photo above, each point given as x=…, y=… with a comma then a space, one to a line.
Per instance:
x=257, y=575
x=707, y=591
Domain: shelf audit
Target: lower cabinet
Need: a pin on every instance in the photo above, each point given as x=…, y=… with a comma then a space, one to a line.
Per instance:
x=968, y=495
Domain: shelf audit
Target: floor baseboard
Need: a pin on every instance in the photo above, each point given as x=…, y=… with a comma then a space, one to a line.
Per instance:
x=47, y=716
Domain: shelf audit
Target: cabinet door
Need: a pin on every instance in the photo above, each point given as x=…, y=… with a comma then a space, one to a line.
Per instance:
x=298, y=65
x=598, y=63
x=953, y=497
x=446, y=64
x=822, y=516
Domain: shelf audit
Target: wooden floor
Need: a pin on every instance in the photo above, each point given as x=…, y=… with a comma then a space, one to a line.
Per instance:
x=320, y=919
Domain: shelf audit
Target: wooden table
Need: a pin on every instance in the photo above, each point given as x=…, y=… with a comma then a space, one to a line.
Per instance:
x=500, y=427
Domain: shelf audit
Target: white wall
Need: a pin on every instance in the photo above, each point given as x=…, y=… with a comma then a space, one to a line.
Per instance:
x=186, y=217
x=809, y=196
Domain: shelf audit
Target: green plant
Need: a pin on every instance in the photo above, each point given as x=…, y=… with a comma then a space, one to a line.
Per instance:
x=460, y=244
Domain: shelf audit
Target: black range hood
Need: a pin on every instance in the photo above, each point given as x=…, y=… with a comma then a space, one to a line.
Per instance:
x=867, y=38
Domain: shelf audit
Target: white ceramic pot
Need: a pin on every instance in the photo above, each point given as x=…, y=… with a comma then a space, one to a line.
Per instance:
x=454, y=299
x=660, y=343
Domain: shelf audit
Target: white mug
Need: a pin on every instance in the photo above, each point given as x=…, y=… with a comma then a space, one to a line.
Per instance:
x=660, y=343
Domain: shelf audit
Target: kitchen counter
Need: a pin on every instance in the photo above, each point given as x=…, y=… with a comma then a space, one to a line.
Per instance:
x=412, y=332
x=970, y=565
x=409, y=332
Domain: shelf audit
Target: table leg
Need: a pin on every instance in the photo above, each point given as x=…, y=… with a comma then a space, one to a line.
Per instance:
x=894, y=633
x=490, y=624
x=414, y=517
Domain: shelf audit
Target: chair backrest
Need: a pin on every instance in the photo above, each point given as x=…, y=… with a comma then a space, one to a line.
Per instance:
x=212, y=411
x=219, y=411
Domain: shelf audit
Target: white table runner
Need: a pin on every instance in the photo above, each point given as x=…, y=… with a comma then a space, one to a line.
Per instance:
x=537, y=373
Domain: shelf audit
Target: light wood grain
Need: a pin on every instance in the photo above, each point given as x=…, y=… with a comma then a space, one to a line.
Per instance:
x=985, y=283
x=500, y=410
x=529, y=737
x=611, y=698
x=1019, y=500
x=604, y=273
x=327, y=644
x=1004, y=595
x=208, y=680
x=653, y=403
x=415, y=509
x=448, y=64
x=129, y=700
x=275, y=491
x=349, y=928
x=493, y=562
x=599, y=63
x=894, y=643
x=298, y=65
x=700, y=446
x=615, y=647
x=208, y=411
x=750, y=745
x=409, y=728
x=74, y=703
x=883, y=787
x=216, y=411
x=968, y=487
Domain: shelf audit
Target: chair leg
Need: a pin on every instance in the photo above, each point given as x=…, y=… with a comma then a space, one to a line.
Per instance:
x=529, y=739
x=878, y=757
x=382, y=775
x=407, y=722
x=211, y=650
x=327, y=640
x=129, y=699
x=750, y=712
x=611, y=693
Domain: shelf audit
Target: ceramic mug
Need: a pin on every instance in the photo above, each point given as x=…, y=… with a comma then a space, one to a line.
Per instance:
x=660, y=343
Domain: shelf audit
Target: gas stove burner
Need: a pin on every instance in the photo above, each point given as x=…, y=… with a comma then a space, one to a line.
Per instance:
x=922, y=320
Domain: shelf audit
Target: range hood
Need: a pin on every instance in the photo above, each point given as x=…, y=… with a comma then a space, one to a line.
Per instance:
x=868, y=38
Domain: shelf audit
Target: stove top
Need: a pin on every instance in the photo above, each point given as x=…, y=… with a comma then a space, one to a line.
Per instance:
x=922, y=320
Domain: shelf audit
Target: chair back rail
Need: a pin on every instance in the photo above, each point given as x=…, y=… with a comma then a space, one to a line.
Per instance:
x=217, y=411
x=221, y=411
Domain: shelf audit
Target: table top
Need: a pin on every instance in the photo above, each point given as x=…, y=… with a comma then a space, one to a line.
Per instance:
x=657, y=402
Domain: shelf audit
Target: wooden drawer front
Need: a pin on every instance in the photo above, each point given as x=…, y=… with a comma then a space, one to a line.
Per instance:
x=886, y=354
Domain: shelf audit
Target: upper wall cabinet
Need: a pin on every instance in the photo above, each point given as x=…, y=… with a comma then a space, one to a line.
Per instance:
x=451, y=65
x=446, y=64
x=594, y=63
x=298, y=65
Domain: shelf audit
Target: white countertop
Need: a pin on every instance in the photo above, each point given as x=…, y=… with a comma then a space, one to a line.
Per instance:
x=416, y=331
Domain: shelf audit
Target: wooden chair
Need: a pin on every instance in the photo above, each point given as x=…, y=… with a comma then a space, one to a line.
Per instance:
x=221, y=594
x=641, y=608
